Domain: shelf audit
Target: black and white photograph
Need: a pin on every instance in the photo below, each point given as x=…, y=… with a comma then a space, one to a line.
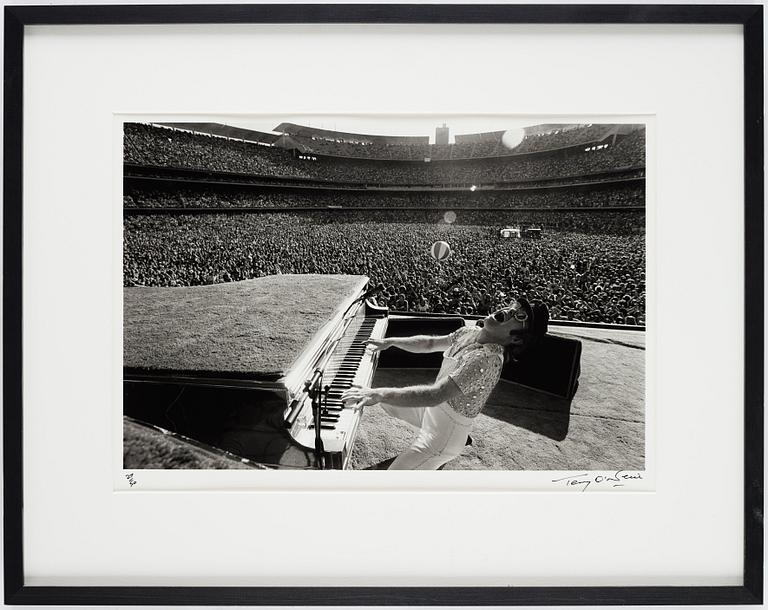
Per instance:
x=393, y=292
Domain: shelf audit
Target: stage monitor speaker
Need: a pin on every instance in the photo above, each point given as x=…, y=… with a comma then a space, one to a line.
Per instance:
x=552, y=367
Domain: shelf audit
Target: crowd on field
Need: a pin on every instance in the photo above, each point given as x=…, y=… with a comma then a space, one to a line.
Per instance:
x=595, y=277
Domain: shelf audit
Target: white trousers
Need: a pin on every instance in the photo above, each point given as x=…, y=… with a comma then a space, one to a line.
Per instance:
x=442, y=436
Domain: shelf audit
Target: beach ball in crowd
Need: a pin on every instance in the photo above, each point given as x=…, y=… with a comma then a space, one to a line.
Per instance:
x=512, y=137
x=440, y=250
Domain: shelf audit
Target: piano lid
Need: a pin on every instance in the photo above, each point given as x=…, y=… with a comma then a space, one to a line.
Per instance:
x=250, y=330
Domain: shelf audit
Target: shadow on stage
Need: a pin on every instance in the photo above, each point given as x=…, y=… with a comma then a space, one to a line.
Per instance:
x=530, y=409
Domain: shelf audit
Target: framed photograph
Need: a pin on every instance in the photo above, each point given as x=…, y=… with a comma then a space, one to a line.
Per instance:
x=383, y=304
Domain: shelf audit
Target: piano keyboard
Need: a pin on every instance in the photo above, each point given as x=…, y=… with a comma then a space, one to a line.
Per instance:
x=350, y=363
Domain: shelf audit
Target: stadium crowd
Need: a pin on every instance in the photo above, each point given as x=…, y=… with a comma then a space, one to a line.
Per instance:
x=606, y=221
x=165, y=147
x=151, y=145
x=562, y=138
x=236, y=179
x=466, y=147
x=588, y=266
x=229, y=197
x=588, y=277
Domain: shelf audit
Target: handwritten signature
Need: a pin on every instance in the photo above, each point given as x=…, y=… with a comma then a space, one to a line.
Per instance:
x=131, y=480
x=618, y=479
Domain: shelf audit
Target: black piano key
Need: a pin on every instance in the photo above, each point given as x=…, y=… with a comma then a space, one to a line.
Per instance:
x=322, y=427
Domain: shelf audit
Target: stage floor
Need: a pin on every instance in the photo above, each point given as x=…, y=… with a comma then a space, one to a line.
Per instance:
x=602, y=428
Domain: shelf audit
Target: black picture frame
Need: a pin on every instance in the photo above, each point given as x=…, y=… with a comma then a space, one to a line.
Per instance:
x=750, y=17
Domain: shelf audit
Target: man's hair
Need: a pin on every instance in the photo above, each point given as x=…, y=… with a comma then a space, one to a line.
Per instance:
x=538, y=324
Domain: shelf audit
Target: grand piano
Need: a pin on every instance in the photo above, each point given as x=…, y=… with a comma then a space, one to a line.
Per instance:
x=252, y=371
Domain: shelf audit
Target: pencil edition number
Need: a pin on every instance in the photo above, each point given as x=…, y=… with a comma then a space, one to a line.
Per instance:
x=131, y=480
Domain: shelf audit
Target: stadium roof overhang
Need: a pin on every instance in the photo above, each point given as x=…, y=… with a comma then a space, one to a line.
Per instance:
x=347, y=137
x=225, y=131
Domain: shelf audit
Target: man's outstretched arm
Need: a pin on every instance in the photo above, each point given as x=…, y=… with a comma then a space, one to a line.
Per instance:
x=411, y=396
x=417, y=344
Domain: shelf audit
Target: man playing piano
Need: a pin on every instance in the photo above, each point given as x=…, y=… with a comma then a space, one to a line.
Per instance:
x=473, y=357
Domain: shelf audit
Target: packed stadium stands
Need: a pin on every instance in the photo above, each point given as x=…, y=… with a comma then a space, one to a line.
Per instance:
x=164, y=147
x=207, y=197
x=201, y=208
x=135, y=173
